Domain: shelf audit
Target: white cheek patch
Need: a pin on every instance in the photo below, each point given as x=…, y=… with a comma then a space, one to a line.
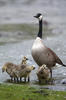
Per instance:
x=40, y=17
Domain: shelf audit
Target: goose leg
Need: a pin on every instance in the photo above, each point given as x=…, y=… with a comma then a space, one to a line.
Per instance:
x=51, y=73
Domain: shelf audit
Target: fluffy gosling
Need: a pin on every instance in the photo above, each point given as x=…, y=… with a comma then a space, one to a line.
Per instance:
x=24, y=60
x=9, y=67
x=43, y=74
x=24, y=71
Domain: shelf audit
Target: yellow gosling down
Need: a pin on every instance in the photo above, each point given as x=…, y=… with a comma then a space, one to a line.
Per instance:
x=24, y=71
x=43, y=74
x=24, y=60
x=9, y=67
x=17, y=71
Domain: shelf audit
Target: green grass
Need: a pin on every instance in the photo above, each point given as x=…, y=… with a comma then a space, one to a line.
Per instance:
x=25, y=92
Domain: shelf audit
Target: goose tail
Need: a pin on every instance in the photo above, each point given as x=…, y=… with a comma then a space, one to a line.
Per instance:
x=64, y=65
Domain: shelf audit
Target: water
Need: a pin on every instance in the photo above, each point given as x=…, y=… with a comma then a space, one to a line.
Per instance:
x=18, y=30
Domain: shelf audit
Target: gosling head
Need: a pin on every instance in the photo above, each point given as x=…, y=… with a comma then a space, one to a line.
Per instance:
x=24, y=60
x=4, y=68
x=44, y=66
x=32, y=67
x=39, y=16
x=6, y=65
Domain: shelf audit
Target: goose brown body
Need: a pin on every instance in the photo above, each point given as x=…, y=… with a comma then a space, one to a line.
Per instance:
x=43, y=55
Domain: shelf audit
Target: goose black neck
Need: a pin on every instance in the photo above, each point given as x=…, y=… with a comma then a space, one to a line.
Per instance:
x=40, y=29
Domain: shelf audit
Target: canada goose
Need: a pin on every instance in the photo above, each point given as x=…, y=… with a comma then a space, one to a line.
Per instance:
x=23, y=71
x=42, y=54
x=9, y=67
x=43, y=73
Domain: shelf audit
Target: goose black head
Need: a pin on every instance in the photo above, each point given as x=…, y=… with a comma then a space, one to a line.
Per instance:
x=39, y=16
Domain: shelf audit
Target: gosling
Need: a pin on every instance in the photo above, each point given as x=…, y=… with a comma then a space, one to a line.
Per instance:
x=17, y=71
x=8, y=67
x=23, y=71
x=43, y=74
x=24, y=60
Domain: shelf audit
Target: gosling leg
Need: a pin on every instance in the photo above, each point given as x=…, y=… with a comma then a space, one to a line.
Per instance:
x=28, y=79
x=51, y=76
x=17, y=80
x=20, y=79
x=25, y=79
x=39, y=81
x=14, y=79
x=11, y=78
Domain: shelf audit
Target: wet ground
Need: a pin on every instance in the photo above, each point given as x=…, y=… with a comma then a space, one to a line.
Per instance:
x=18, y=30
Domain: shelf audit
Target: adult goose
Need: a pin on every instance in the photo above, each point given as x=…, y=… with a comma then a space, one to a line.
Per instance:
x=42, y=54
